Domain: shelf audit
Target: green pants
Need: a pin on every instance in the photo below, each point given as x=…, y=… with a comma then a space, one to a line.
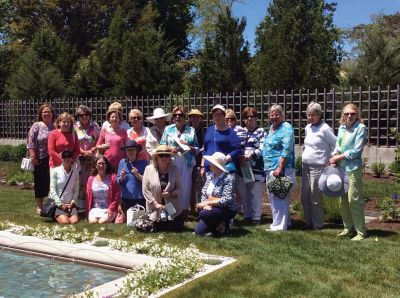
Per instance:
x=352, y=205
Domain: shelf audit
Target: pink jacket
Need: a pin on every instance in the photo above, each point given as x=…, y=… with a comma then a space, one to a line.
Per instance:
x=113, y=195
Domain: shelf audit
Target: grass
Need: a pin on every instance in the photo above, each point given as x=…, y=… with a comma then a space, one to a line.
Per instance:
x=290, y=264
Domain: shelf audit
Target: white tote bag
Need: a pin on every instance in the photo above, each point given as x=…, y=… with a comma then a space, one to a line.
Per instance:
x=133, y=213
x=27, y=164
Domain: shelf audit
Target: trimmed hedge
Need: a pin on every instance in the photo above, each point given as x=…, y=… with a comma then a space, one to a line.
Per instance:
x=12, y=153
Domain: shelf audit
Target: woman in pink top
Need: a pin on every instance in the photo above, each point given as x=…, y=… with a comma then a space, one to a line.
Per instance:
x=112, y=138
x=138, y=132
x=62, y=138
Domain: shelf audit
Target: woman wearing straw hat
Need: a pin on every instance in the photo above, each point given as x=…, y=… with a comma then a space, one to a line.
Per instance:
x=218, y=203
x=349, y=147
x=159, y=120
x=161, y=185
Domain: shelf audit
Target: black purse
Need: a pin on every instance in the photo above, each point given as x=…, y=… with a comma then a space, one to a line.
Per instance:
x=49, y=209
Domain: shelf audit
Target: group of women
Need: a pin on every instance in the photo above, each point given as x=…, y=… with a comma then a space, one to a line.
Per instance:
x=107, y=170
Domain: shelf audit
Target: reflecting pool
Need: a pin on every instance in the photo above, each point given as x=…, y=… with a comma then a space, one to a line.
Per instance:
x=23, y=275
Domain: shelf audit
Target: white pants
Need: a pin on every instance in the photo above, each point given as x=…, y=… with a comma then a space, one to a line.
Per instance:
x=281, y=207
x=251, y=195
x=186, y=175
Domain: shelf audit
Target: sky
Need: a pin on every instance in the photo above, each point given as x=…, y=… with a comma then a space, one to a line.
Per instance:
x=349, y=13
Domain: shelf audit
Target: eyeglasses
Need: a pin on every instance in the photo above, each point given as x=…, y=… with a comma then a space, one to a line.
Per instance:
x=178, y=115
x=349, y=114
x=230, y=119
x=135, y=118
x=65, y=157
x=218, y=114
x=249, y=117
x=83, y=115
x=101, y=164
x=163, y=155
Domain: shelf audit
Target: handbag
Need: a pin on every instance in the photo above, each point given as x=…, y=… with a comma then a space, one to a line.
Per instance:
x=49, y=209
x=145, y=224
x=133, y=214
x=279, y=186
x=27, y=164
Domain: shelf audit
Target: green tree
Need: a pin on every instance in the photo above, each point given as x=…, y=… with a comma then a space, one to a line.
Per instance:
x=34, y=78
x=221, y=63
x=296, y=46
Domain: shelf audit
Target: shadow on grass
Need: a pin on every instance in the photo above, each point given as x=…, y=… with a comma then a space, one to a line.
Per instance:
x=380, y=233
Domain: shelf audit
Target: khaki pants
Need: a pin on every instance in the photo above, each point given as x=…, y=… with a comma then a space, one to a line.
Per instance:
x=352, y=205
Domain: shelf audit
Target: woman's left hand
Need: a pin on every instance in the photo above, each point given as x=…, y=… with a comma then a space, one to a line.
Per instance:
x=201, y=205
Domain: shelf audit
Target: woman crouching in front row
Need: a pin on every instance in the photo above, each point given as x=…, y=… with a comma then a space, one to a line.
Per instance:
x=218, y=204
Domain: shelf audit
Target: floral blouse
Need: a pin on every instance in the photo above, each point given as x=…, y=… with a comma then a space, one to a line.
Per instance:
x=188, y=134
x=221, y=187
x=37, y=138
x=277, y=144
x=87, y=137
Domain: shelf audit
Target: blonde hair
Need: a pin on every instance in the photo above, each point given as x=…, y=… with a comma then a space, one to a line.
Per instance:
x=135, y=111
x=353, y=107
x=63, y=116
x=179, y=108
x=229, y=113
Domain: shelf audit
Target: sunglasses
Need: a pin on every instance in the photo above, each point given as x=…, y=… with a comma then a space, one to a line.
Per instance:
x=163, y=155
x=249, y=117
x=178, y=115
x=135, y=118
x=349, y=114
x=230, y=119
x=83, y=115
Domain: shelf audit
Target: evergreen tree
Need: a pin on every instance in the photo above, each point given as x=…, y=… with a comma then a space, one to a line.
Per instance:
x=296, y=46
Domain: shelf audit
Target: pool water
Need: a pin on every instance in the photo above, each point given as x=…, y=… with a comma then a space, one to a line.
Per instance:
x=23, y=275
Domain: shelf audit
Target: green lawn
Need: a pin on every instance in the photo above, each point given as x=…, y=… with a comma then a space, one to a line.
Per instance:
x=295, y=263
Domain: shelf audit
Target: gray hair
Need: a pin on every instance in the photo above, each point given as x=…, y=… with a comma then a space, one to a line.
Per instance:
x=276, y=108
x=82, y=109
x=314, y=107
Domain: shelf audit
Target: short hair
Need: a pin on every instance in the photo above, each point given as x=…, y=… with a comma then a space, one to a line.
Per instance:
x=276, y=108
x=314, y=107
x=42, y=107
x=247, y=110
x=109, y=168
x=63, y=116
x=82, y=109
x=229, y=113
x=135, y=111
x=115, y=106
x=118, y=112
x=353, y=107
x=179, y=108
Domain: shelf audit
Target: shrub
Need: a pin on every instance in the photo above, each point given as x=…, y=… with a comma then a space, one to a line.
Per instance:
x=389, y=209
x=19, y=177
x=298, y=166
x=394, y=168
x=378, y=168
x=12, y=153
x=5, y=152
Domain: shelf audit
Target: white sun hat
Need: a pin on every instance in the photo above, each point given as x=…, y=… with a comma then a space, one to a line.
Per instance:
x=159, y=113
x=218, y=159
x=334, y=181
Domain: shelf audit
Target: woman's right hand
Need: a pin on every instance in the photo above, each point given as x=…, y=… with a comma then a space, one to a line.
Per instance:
x=158, y=206
x=122, y=175
x=35, y=161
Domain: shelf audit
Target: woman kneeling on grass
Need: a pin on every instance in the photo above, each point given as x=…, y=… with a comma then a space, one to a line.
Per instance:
x=102, y=192
x=64, y=189
x=218, y=203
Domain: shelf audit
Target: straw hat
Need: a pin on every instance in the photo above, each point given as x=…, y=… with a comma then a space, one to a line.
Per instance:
x=195, y=112
x=159, y=113
x=334, y=181
x=163, y=149
x=218, y=159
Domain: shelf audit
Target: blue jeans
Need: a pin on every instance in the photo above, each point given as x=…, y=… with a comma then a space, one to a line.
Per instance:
x=210, y=219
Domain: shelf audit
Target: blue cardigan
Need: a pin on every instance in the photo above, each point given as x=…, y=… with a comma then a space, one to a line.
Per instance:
x=131, y=187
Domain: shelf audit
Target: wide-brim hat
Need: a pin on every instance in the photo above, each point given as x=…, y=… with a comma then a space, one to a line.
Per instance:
x=218, y=159
x=131, y=144
x=195, y=112
x=334, y=181
x=163, y=149
x=159, y=113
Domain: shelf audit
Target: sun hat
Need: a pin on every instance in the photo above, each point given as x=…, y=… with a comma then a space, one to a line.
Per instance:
x=163, y=149
x=279, y=186
x=218, y=159
x=334, y=181
x=159, y=113
x=218, y=107
x=131, y=144
x=195, y=112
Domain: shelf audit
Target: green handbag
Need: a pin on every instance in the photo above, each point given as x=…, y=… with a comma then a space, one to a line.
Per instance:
x=279, y=186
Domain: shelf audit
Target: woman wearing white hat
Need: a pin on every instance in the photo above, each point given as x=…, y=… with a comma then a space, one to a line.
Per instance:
x=159, y=120
x=218, y=202
x=349, y=147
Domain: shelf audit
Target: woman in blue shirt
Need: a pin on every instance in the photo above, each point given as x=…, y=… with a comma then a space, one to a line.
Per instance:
x=349, y=147
x=278, y=156
x=130, y=175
